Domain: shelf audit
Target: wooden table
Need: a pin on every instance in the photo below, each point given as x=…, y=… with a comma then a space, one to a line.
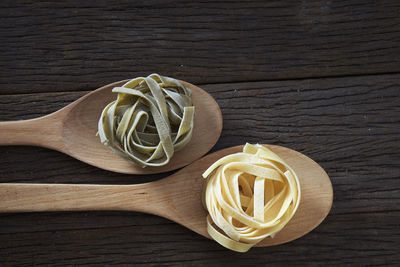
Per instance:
x=320, y=77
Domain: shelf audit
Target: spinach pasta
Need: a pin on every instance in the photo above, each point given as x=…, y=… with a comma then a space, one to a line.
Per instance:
x=151, y=118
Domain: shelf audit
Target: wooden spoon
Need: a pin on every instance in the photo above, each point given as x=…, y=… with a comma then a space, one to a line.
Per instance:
x=178, y=197
x=73, y=129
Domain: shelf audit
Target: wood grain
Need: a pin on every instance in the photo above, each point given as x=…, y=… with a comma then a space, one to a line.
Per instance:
x=112, y=238
x=73, y=131
x=177, y=197
x=67, y=46
x=349, y=125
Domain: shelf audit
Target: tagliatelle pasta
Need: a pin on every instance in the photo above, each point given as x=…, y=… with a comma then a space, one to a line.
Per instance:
x=249, y=196
x=150, y=120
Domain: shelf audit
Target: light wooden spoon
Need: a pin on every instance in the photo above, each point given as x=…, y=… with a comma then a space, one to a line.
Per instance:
x=73, y=129
x=178, y=197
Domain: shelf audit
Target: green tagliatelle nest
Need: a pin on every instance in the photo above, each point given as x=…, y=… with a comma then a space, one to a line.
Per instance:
x=151, y=118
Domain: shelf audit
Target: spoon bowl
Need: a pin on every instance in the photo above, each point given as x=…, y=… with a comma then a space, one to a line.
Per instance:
x=178, y=197
x=72, y=130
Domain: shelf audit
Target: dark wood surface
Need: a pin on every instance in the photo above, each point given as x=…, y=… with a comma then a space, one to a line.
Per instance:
x=320, y=77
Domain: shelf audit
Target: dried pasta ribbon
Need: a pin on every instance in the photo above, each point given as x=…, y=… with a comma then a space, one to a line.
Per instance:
x=249, y=196
x=150, y=120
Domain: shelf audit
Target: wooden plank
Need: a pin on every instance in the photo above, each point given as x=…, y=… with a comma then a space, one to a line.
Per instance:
x=75, y=45
x=111, y=238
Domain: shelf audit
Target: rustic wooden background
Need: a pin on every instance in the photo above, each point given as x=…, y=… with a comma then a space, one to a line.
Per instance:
x=321, y=77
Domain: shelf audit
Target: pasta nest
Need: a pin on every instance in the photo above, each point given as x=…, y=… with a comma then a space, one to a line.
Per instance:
x=249, y=196
x=150, y=120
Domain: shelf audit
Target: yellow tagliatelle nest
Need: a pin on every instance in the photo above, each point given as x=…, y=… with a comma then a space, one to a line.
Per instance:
x=150, y=120
x=249, y=196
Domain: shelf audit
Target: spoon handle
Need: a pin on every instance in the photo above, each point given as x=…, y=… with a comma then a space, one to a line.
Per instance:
x=73, y=197
x=44, y=131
